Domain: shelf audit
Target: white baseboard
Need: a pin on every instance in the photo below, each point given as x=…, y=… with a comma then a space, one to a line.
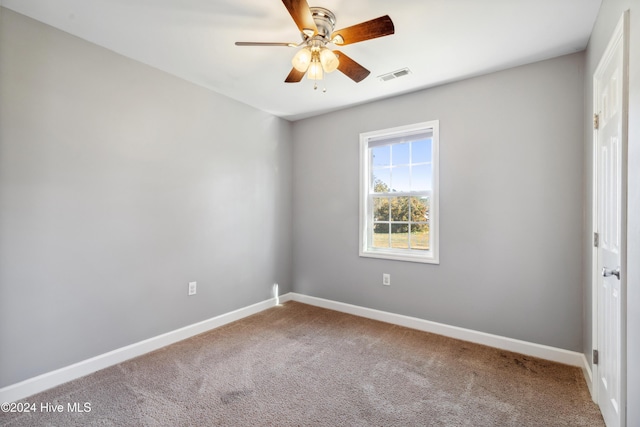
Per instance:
x=51, y=379
x=43, y=382
x=523, y=347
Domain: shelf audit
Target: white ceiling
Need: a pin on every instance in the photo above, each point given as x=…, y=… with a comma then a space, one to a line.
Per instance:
x=438, y=40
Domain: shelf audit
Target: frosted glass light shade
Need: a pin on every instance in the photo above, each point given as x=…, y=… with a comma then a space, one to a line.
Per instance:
x=315, y=71
x=302, y=59
x=329, y=60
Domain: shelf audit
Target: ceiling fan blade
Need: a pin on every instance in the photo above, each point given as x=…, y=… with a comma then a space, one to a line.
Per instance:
x=351, y=68
x=378, y=27
x=265, y=44
x=299, y=11
x=294, y=76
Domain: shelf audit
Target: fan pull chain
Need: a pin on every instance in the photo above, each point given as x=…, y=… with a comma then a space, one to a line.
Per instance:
x=315, y=87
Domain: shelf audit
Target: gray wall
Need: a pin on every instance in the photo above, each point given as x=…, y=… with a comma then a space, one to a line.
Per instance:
x=119, y=184
x=610, y=13
x=511, y=206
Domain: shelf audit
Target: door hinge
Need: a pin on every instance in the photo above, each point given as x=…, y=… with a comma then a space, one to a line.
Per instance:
x=596, y=121
x=596, y=239
x=595, y=357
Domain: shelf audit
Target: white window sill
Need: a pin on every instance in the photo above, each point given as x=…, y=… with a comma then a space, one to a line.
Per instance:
x=403, y=255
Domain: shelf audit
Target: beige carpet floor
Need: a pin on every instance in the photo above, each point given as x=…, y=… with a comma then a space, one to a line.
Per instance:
x=299, y=365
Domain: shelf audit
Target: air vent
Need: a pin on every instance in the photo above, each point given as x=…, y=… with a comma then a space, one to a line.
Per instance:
x=394, y=75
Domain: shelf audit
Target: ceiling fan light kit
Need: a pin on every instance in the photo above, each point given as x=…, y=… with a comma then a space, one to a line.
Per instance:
x=316, y=25
x=307, y=57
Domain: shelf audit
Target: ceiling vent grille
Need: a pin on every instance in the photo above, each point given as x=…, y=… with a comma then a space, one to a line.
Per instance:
x=394, y=75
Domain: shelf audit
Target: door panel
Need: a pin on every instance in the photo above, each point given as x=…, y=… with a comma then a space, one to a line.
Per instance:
x=609, y=139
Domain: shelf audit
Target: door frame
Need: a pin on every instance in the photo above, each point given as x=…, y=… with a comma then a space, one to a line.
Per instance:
x=620, y=35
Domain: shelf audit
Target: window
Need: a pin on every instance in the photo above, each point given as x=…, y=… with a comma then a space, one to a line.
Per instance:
x=399, y=193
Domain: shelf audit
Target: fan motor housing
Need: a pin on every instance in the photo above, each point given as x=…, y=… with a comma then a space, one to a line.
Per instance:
x=325, y=21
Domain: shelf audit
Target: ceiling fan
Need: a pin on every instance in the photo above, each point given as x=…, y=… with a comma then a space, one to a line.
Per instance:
x=316, y=25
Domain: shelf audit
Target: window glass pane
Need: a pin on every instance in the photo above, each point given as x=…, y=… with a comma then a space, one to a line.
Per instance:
x=399, y=236
x=420, y=237
x=381, y=156
x=421, y=151
x=381, y=180
x=381, y=235
x=380, y=209
x=399, y=209
x=421, y=177
x=419, y=209
x=400, y=179
x=400, y=154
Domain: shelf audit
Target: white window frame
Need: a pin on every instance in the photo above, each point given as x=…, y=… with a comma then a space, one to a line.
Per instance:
x=397, y=134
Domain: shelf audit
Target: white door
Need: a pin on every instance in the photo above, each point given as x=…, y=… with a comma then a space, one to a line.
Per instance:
x=609, y=155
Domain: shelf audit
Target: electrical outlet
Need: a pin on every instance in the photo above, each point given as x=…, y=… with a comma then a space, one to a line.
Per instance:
x=192, y=288
x=386, y=279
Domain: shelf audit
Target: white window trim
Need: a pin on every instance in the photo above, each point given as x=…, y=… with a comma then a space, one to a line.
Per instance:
x=432, y=255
